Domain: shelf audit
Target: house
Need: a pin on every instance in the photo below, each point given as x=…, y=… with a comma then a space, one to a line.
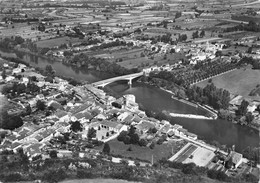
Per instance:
x=34, y=149
x=82, y=117
x=64, y=154
x=236, y=102
x=112, y=126
x=9, y=78
x=236, y=158
x=191, y=135
x=181, y=131
x=145, y=126
x=62, y=115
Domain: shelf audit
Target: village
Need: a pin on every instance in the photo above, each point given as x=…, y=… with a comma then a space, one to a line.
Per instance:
x=203, y=54
x=62, y=121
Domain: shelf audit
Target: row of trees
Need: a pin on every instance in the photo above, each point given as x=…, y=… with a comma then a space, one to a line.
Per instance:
x=251, y=26
x=200, y=71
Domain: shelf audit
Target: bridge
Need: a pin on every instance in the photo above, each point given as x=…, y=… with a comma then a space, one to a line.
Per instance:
x=128, y=77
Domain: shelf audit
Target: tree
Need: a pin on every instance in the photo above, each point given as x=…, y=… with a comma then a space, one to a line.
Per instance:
x=242, y=109
x=122, y=136
x=249, y=117
x=202, y=33
x=53, y=154
x=19, y=39
x=10, y=122
x=40, y=105
x=142, y=142
x=195, y=34
x=68, y=53
x=76, y=126
x=250, y=49
x=229, y=163
x=91, y=133
x=3, y=74
x=28, y=110
x=218, y=53
x=178, y=14
x=106, y=148
x=49, y=70
x=189, y=168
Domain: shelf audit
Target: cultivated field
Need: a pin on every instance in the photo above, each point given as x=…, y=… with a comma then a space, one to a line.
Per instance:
x=57, y=42
x=239, y=82
x=185, y=153
x=96, y=181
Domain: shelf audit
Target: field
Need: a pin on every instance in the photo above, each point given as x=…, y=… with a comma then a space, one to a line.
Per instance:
x=185, y=153
x=238, y=82
x=201, y=157
x=144, y=61
x=57, y=42
x=96, y=181
x=145, y=153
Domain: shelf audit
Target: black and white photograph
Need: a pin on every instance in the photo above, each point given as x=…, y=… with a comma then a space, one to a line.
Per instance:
x=129, y=91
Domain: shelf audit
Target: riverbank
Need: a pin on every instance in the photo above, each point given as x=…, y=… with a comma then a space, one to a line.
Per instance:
x=213, y=114
x=190, y=116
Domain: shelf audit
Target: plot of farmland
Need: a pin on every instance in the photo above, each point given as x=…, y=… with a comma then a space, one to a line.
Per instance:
x=185, y=153
x=239, y=82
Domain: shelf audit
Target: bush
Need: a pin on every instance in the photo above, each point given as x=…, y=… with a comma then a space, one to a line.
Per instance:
x=219, y=175
x=122, y=136
x=127, y=140
x=152, y=145
x=189, y=169
x=54, y=176
x=83, y=174
x=142, y=142
x=13, y=177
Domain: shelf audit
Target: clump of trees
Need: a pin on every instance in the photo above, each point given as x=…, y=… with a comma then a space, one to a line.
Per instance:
x=218, y=98
x=130, y=137
x=83, y=60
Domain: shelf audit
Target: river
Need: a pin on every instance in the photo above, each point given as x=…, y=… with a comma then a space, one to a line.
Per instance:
x=154, y=99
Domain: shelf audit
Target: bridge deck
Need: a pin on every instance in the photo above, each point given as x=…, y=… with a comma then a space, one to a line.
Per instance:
x=125, y=77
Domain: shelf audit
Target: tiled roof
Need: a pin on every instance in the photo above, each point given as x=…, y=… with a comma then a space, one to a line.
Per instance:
x=236, y=157
x=34, y=149
x=111, y=124
x=145, y=125
x=60, y=113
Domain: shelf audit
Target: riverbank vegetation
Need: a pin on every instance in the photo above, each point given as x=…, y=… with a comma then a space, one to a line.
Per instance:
x=99, y=64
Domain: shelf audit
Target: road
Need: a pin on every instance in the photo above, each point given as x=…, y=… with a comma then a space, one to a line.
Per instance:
x=246, y=4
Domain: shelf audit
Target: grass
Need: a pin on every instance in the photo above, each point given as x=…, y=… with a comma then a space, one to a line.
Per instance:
x=145, y=153
x=96, y=181
x=57, y=42
x=239, y=82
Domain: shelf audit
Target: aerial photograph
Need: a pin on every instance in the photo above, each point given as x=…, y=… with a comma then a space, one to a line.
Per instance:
x=130, y=91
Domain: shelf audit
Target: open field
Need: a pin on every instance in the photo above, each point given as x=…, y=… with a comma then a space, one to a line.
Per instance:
x=57, y=42
x=145, y=153
x=96, y=181
x=144, y=61
x=239, y=82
